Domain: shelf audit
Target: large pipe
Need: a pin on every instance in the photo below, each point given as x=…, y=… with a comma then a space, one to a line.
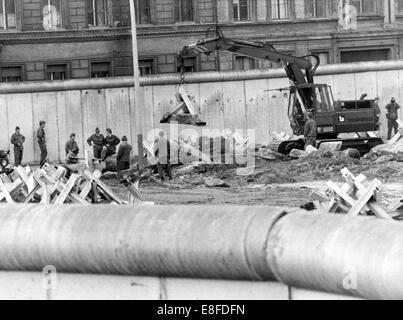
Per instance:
x=359, y=256
x=199, y=77
x=199, y=242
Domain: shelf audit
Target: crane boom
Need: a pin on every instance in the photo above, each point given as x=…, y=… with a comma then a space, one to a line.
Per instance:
x=299, y=70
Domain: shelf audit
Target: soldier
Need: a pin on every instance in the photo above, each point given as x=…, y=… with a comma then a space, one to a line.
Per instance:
x=392, y=117
x=97, y=142
x=72, y=150
x=123, y=156
x=17, y=139
x=310, y=130
x=42, y=142
x=111, y=142
x=162, y=154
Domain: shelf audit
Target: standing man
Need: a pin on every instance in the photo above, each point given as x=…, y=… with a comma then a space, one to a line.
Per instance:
x=42, y=142
x=72, y=150
x=392, y=116
x=310, y=130
x=111, y=142
x=97, y=142
x=17, y=139
x=378, y=113
x=123, y=156
x=162, y=153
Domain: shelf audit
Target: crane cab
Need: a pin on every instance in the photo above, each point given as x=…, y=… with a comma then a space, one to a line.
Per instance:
x=332, y=118
x=315, y=98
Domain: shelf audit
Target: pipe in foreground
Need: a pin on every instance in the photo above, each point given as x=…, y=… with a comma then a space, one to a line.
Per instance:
x=360, y=256
x=198, y=242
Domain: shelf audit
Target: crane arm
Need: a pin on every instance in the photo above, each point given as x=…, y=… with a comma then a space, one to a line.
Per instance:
x=256, y=50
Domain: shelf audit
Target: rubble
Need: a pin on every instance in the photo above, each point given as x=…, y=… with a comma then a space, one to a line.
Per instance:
x=215, y=183
x=61, y=185
x=393, y=148
x=330, y=146
x=356, y=196
x=296, y=153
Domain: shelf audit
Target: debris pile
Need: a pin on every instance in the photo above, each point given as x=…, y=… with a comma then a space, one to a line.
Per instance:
x=59, y=185
x=356, y=196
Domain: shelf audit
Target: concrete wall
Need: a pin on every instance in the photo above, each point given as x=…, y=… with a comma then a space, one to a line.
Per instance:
x=239, y=104
x=33, y=286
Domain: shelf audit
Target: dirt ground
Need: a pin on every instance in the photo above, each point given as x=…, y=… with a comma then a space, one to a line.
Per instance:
x=276, y=183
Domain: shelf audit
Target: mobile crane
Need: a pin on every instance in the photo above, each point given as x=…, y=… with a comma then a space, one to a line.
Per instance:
x=333, y=118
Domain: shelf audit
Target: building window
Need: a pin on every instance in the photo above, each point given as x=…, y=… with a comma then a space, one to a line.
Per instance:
x=363, y=6
x=146, y=66
x=317, y=8
x=56, y=72
x=279, y=9
x=400, y=6
x=240, y=9
x=324, y=57
x=365, y=55
x=143, y=11
x=52, y=17
x=11, y=74
x=183, y=10
x=189, y=64
x=7, y=14
x=100, y=69
x=97, y=13
x=245, y=63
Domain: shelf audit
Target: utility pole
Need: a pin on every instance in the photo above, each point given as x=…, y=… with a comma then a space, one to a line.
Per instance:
x=135, y=51
x=136, y=74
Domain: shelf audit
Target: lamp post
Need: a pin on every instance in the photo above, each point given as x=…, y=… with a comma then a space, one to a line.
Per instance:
x=135, y=52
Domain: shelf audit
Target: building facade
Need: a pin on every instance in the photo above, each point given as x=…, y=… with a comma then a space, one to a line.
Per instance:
x=61, y=39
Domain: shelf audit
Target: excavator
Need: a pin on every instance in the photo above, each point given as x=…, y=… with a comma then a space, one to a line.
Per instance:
x=333, y=118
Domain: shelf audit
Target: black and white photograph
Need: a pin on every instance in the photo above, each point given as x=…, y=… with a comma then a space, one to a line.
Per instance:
x=200, y=154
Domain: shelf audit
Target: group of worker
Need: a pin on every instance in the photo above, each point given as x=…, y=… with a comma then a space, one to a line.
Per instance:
x=310, y=130
x=103, y=147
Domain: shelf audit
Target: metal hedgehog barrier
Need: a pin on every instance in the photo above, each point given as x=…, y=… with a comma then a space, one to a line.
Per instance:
x=235, y=243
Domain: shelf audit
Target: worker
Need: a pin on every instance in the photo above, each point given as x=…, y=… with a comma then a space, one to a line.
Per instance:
x=392, y=117
x=123, y=156
x=162, y=154
x=42, y=142
x=110, y=142
x=72, y=150
x=17, y=139
x=310, y=130
x=377, y=112
x=97, y=142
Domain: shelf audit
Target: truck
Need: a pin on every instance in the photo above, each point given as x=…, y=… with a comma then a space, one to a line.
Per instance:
x=334, y=118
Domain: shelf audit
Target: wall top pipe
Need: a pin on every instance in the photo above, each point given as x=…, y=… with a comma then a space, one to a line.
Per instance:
x=199, y=77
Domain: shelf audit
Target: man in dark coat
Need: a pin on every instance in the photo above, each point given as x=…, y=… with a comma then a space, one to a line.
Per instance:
x=123, y=156
x=310, y=130
x=17, y=139
x=162, y=153
x=72, y=150
x=42, y=142
x=97, y=142
x=392, y=117
x=378, y=112
x=110, y=142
